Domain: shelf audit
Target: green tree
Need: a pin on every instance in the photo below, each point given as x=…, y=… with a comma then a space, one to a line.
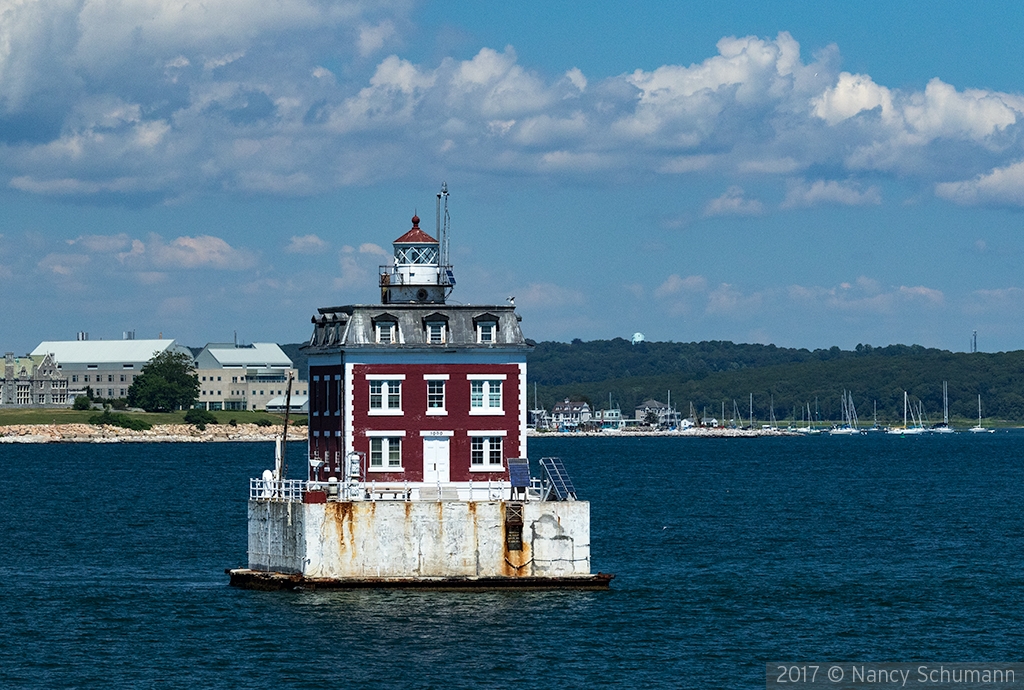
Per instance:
x=167, y=382
x=201, y=418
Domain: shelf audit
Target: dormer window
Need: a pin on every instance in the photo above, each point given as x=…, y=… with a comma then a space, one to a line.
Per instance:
x=436, y=332
x=486, y=328
x=485, y=331
x=435, y=329
x=386, y=332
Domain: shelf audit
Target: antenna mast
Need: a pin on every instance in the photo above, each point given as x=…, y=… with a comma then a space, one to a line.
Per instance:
x=445, y=229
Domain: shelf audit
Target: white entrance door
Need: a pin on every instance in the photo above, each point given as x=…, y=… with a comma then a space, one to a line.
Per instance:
x=436, y=467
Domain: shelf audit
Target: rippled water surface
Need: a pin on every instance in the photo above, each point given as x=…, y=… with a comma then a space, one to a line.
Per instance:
x=727, y=553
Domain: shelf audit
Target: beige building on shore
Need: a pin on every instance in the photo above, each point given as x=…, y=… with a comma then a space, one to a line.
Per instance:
x=244, y=377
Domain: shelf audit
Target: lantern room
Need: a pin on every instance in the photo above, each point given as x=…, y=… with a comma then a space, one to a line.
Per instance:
x=418, y=274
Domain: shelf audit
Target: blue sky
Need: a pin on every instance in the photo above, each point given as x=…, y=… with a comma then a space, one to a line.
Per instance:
x=802, y=174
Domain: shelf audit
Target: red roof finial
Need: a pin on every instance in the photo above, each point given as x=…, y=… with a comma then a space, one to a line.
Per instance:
x=415, y=234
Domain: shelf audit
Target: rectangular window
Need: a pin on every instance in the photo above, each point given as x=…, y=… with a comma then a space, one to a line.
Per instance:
x=385, y=332
x=435, y=332
x=74, y=378
x=386, y=453
x=485, y=451
x=485, y=396
x=87, y=378
x=485, y=331
x=386, y=396
x=123, y=379
x=110, y=378
x=435, y=395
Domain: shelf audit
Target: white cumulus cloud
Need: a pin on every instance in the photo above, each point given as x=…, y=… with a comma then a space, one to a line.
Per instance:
x=1001, y=186
x=196, y=252
x=803, y=193
x=733, y=203
x=165, y=99
x=305, y=244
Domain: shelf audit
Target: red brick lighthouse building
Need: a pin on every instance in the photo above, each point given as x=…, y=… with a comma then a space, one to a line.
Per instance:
x=419, y=392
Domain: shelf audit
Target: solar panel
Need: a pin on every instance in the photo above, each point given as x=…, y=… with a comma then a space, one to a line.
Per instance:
x=558, y=478
x=451, y=276
x=519, y=472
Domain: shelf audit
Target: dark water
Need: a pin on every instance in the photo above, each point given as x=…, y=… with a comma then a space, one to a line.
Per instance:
x=728, y=553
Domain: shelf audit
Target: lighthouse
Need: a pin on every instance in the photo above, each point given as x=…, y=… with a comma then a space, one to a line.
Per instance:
x=418, y=468
x=416, y=275
x=420, y=272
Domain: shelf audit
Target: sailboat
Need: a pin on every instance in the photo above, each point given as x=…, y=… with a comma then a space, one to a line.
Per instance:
x=808, y=429
x=773, y=424
x=849, y=426
x=944, y=428
x=979, y=428
x=874, y=416
x=918, y=420
x=906, y=430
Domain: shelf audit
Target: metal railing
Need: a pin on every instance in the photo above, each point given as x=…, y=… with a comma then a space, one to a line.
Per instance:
x=390, y=275
x=295, y=490
x=274, y=490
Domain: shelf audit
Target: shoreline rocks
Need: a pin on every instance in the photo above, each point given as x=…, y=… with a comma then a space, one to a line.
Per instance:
x=160, y=433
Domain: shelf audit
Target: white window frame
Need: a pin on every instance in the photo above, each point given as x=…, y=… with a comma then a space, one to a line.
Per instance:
x=386, y=327
x=489, y=327
x=490, y=444
x=385, y=449
x=490, y=385
x=390, y=393
x=442, y=332
x=434, y=379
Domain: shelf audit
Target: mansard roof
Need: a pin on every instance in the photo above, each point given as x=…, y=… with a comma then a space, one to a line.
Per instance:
x=352, y=326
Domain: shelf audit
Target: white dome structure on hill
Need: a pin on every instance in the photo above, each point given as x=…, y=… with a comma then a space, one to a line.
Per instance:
x=638, y=337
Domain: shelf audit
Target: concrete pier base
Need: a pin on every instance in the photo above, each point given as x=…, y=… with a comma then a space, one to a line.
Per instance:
x=260, y=580
x=399, y=543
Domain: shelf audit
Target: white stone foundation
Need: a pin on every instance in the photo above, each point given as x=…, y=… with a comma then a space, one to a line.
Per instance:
x=402, y=539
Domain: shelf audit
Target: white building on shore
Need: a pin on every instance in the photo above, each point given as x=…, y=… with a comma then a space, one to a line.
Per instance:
x=105, y=367
x=245, y=377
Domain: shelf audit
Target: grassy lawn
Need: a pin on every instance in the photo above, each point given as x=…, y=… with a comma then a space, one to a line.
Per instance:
x=36, y=416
